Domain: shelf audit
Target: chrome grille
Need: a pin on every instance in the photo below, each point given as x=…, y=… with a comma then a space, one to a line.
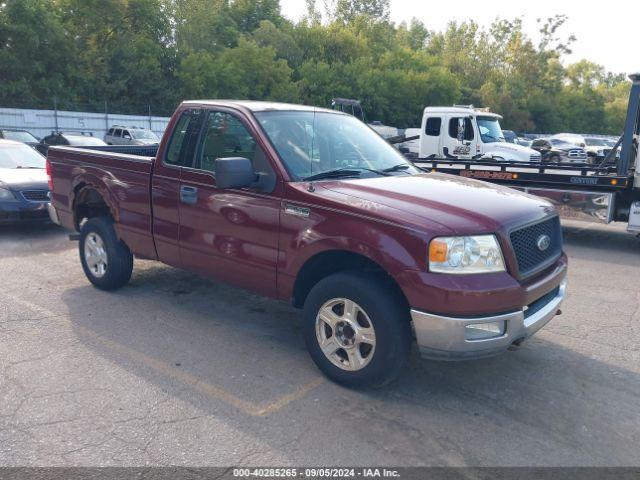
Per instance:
x=524, y=241
x=535, y=157
x=35, y=195
x=577, y=153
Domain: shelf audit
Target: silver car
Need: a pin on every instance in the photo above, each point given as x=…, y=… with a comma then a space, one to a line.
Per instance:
x=119, y=135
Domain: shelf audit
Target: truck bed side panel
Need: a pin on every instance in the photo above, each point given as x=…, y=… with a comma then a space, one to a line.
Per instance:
x=123, y=182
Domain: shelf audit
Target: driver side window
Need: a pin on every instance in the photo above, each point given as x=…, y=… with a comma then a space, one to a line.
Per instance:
x=461, y=124
x=224, y=136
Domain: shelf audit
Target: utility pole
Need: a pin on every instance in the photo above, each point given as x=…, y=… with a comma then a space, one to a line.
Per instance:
x=55, y=112
x=106, y=117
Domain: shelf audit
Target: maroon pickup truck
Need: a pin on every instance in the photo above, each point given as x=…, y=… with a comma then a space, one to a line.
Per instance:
x=311, y=206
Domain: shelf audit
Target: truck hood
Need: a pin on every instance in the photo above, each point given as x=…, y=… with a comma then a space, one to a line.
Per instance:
x=23, y=178
x=517, y=151
x=462, y=205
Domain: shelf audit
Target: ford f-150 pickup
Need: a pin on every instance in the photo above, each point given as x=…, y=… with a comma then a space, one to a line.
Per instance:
x=311, y=206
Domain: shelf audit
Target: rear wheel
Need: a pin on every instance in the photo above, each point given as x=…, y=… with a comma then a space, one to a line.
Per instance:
x=107, y=262
x=357, y=329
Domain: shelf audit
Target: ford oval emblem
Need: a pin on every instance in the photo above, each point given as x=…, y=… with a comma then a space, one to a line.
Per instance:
x=543, y=242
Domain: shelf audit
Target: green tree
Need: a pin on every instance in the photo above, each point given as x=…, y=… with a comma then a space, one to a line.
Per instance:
x=348, y=10
x=285, y=46
x=249, y=13
x=120, y=50
x=203, y=25
x=133, y=53
x=247, y=71
x=34, y=66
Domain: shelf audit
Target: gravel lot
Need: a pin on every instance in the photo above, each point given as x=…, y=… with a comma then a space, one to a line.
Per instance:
x=178, y=370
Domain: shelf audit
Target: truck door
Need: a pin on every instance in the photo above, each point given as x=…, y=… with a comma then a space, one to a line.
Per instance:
x=165, y=184
x=430, y=137
x=230, y=234
x=458, y=139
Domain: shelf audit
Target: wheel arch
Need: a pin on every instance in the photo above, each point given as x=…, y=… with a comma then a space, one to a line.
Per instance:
x=89, y=200
x=329, y=262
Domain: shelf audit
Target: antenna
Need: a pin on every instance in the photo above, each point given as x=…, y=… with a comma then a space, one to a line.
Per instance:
x=313, y=139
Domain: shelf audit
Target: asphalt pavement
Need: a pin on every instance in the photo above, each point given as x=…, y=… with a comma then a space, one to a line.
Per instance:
x=175, y=369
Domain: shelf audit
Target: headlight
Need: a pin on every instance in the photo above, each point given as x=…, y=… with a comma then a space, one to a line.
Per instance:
x=462, y=255
x=6, y=194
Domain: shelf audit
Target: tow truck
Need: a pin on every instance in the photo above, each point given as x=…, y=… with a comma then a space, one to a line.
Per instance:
x=608, y=191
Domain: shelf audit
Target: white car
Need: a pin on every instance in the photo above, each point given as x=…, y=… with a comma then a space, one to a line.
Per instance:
x=467, y=133
x=118, y=135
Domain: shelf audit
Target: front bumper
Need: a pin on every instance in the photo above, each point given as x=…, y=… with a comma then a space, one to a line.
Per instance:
x=14, y=212
x=445, y=338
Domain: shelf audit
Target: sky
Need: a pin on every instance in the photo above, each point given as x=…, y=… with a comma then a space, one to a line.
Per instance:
x=607, y=33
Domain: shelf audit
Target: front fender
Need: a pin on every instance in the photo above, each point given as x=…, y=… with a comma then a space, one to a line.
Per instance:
x=393, y=248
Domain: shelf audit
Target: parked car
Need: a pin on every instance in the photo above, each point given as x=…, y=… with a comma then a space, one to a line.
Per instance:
x=554, y=150
x=18, y=136
x=525, y=142
x=411, y=147
x=68, y=139
x=24, y=192
x=612, y=142
x=510, y=136
x=311, y=206
x=595, y=147
x=118, y=135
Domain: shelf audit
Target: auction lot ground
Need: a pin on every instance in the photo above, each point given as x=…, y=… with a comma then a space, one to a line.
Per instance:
x=177, y=370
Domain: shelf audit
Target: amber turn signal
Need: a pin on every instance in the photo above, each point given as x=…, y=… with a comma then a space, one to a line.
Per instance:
x=437, y=251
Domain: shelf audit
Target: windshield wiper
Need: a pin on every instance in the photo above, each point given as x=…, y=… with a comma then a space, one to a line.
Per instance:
x=397, y=168
x=344, y=172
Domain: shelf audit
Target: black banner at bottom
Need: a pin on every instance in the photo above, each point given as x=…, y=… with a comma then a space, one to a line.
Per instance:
x=275, y=473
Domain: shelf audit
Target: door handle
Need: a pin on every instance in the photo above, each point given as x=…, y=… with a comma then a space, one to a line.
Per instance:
x=188, y=194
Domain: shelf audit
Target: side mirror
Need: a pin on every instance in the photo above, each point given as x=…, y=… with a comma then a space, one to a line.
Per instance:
x=234, y=172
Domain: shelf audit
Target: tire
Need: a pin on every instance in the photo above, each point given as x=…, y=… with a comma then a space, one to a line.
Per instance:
x=381, y=312
x=555, y=158
x=107, y=262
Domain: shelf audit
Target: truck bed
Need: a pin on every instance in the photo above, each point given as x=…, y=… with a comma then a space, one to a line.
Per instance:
x=124, y=181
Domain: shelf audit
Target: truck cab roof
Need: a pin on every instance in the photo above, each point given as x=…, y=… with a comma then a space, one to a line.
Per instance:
x=461, y=111
x=258, y=106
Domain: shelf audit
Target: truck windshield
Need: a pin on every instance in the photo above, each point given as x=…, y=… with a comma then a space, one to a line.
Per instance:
x=144, y=135
x=490, y=130
x=310, y=143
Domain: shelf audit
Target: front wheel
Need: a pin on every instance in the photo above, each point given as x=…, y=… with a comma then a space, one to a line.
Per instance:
x=357, y=329
x=107, y=261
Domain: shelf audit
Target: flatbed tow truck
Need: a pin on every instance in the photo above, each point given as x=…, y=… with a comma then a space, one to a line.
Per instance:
x=606, y=192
